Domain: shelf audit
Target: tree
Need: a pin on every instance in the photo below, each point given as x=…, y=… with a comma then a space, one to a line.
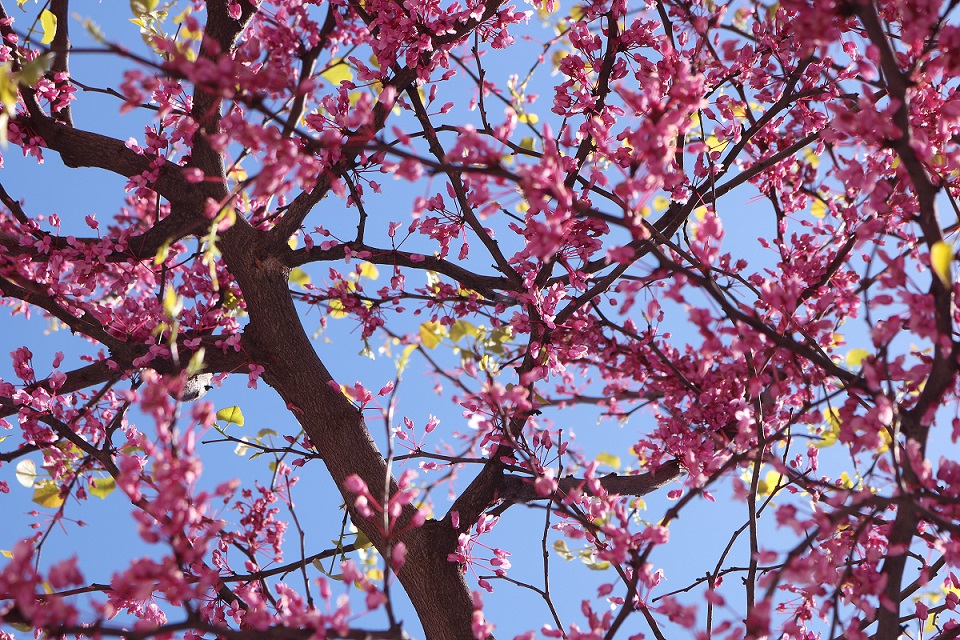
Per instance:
x=535, y=254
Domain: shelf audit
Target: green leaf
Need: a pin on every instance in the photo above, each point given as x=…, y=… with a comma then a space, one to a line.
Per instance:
x=141, y=7
x=31, y=72
x=93, y=29
x=560, y=547
x=47, y=494
x=299, y=277
x=463, y=328
x=231, y=415
x=362, y=541
x=26, y=473
x=48, y=22
x=594, y=565
x=102, y=487
x=195, y=365
x=230, y=301
x=404, y=358
x=941, y=257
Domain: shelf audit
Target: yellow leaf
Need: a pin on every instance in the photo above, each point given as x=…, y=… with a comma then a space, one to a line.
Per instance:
x=367, y=270
x=47, y=494
x=715, y=144
x=830, y=435
x=231, y=414
x=238, y=174
x=337, y=71
x=8, y=88
x=846, y=481
x=856, y=356
x=172, y=305
x=609, y=460
x=557, y=57
x=700, y=213
x=528, y=118
x=526, y=143
x=180, y=17
x=299, y=277
x=336, y=309
x=818, y=209
x=431, y=333
x=660, y=203
x=886, y=440
x=48, y=22
x=811, y=157
x=161, y=254
x=5, y=553
x=768, y=483
x=102, y=487
x=941, y=257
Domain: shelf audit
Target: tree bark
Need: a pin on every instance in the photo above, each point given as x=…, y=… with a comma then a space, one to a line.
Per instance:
x=275, y=339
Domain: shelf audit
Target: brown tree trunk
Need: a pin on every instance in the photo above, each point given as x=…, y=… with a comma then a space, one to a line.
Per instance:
x=275, y=339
